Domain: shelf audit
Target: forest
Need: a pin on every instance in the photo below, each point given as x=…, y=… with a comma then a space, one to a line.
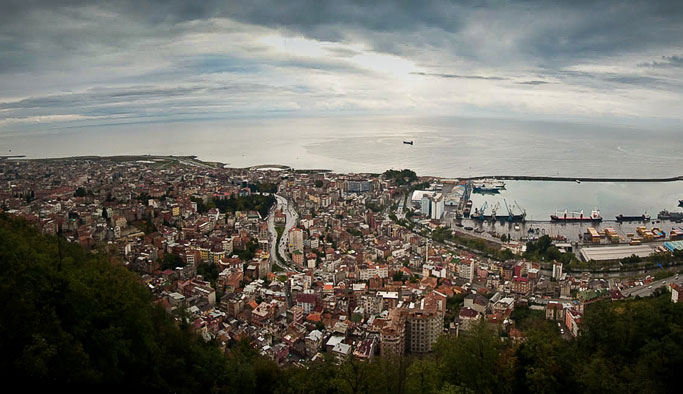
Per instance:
x=77, y=321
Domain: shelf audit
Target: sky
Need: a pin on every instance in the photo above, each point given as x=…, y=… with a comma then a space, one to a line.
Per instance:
x=96, y=63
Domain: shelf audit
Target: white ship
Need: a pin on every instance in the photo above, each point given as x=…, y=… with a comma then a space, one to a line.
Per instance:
x=490, y=185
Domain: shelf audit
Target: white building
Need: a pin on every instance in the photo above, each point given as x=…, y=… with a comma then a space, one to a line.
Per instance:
x=557, y=270
x=437, y=206
x=425, y=205
x=467, y=269
x=296, y=240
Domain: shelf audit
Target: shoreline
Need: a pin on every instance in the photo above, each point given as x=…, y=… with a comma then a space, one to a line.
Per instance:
x=217, y=164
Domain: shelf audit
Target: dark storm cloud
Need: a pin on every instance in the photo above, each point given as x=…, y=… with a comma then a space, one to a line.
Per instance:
x=439, y=75
x=549, y=31
x=131, y=56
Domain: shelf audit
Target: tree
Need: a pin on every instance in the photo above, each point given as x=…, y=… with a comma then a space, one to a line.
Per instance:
x=398, y=276
x=318, y=183
x=172, y=261
x=208, y=271
x=472, y=360
x=80, y=192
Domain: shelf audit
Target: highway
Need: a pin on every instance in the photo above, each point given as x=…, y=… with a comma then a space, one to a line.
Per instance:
x=646, y=290
x=291, y=218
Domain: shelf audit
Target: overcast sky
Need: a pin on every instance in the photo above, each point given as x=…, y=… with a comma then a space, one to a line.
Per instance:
x=69, y=63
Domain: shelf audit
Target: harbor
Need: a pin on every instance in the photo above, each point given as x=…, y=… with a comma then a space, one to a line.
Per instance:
x=525, y=210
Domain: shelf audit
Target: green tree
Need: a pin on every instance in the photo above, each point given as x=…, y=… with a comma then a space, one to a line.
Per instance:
x=208, y=271
x=172, y=261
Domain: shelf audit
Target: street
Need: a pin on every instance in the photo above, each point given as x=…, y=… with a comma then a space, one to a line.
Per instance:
x=290, y=219
x=646, y=290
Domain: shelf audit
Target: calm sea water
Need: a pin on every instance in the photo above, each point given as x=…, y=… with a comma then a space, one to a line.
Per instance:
x=447, y=147
x=540, y=199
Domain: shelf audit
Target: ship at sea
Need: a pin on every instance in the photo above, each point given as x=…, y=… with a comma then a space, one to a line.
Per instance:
x=490, y=185
x=408, y=142
x=633, y=218
x=576, y=216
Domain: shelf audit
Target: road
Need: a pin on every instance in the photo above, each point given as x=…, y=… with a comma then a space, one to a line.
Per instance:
x=290, y=220
x=646, y=290
x=401, y=203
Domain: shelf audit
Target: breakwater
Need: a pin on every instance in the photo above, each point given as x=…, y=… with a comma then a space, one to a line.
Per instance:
x=574, y=179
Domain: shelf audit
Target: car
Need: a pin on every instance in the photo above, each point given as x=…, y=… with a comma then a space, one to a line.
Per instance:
x=558, y=324
x=649, y=287
x=561, y=330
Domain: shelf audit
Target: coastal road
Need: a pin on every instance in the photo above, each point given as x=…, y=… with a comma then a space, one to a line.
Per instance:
x=648, y=289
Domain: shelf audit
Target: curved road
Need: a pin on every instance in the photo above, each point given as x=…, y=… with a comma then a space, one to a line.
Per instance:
x=291, y=217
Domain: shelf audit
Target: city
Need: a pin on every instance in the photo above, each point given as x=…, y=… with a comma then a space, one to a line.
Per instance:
x=303, y=264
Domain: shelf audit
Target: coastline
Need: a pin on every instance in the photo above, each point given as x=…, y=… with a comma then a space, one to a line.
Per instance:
x=216, y=164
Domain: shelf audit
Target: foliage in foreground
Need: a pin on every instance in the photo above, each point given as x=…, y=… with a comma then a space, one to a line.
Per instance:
x=86, y=324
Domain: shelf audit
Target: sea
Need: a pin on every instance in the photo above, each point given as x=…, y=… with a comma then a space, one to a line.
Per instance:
x=448, y=147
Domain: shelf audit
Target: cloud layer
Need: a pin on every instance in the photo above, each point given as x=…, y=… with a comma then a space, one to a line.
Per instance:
x=65, y=63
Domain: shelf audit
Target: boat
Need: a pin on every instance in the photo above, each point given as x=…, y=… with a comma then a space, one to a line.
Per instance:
x=490, y=185
x=633, y=218
x=578, y=181
x=408, y=142
x=500, y=218
x=666, y=215
x=576, y=216
x=680, y=203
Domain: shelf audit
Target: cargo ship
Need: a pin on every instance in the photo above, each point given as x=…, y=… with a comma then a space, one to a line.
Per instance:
x=501, y=218
x=491, y=185
x=576, y=216
x=666, y=215
x=408, y=142
x=633, y=218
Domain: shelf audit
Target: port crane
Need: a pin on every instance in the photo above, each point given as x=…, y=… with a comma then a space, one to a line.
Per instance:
x=494, y=210
x=480, y=211
x=522, y=210
x=507, y=207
